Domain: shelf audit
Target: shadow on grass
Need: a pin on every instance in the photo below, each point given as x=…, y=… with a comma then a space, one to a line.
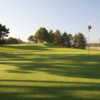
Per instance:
x=27, y=47
x=68, y=90
x=80, y=66
x=77, y=65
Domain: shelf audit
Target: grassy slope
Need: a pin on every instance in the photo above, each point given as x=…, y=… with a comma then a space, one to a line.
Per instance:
x=38, y=72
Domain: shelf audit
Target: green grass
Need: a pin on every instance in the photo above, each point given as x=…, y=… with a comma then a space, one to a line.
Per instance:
x=38, y=72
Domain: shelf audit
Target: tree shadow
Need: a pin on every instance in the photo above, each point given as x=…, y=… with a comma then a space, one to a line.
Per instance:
x=27, y=47
x=67, y=65
x=82, y=66
x=62, y=90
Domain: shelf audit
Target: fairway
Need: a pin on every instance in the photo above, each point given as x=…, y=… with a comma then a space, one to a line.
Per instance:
x=39, y=72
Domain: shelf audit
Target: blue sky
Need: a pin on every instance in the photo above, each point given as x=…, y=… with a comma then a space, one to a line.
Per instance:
x=24, y=17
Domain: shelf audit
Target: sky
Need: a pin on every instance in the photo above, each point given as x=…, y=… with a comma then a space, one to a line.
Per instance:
x=24, y=17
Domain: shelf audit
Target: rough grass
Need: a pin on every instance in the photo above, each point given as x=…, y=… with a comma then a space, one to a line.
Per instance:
x=38, y=72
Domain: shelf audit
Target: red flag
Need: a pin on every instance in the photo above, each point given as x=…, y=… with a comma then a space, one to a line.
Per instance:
x=89, y=27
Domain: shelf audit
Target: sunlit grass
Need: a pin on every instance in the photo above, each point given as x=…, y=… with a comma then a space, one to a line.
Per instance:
x=42, y=72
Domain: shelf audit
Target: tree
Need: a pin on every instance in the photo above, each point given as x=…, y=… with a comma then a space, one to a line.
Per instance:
x=31, y=38
x=42, y=35
x=79, y=41
x=57, y=37
x=66, y=39
x=71, y=42
x=12, y=40
x=3, y=32
x=51, y=37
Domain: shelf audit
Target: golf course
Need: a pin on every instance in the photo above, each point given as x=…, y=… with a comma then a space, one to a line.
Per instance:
x=41, y=72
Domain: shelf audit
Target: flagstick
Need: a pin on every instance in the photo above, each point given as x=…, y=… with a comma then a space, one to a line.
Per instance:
x=89, y=28
x=88, y=43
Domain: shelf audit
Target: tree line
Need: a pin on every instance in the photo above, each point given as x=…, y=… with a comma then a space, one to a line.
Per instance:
x=65, y=39
x=44, y=36
x=4, y=32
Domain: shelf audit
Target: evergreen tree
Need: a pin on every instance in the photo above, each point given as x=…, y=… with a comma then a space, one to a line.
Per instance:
x=66, y=39
x=79, y=41
x=51, y=37
x=70, y=40
x=57, y=37
x=3, y=33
